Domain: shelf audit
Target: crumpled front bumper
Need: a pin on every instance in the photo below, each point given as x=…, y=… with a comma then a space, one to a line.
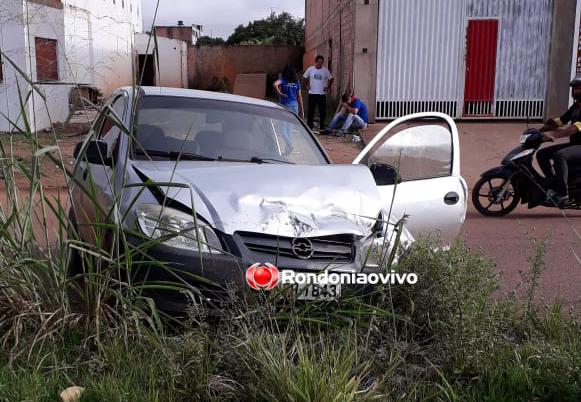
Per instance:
x=207, y=277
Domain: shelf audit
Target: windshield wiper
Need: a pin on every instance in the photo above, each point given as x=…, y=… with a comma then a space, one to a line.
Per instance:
x=257, y=159
x=174, y=155
x=254, y=159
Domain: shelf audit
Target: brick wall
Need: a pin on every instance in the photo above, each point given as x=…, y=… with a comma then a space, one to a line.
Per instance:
x=212, y=66
x=175, y=32
x=329, y=31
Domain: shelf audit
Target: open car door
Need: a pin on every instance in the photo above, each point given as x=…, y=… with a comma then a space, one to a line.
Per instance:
x=415, y=161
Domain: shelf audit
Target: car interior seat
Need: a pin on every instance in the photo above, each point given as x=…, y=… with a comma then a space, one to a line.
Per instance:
x=150, y=137
x=239, y=144
x=207, y=143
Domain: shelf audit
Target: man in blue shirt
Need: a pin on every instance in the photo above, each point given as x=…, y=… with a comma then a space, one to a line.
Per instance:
x=353, y=115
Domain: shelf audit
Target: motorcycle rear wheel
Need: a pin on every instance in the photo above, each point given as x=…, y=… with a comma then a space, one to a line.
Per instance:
x=486, y=200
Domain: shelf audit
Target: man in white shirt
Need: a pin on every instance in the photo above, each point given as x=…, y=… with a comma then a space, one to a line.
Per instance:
x=318, y=80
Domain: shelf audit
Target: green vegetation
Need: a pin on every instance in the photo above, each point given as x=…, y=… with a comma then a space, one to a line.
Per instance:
x=209, y=41
x=276, y=29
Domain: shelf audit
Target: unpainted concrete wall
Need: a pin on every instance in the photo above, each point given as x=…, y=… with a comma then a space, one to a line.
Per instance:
x=330, y=32
x=211, y=66
x=365, y=53
x=562, y=41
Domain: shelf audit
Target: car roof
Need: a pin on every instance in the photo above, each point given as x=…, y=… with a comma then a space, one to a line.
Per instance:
x=194, y=93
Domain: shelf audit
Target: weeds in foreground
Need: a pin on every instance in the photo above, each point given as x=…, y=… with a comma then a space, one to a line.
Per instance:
x=451, y=341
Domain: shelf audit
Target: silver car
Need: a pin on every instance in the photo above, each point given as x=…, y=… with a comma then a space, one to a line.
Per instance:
x=213, y=183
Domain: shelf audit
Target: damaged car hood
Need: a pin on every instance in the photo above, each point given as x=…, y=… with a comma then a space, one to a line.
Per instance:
x=276, y=199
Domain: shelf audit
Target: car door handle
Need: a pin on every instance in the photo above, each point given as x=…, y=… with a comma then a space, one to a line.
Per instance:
x=451, y=198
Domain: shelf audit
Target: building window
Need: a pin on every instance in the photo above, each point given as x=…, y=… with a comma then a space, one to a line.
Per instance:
x=46, y=59
x=123, y=3
x=1, y=72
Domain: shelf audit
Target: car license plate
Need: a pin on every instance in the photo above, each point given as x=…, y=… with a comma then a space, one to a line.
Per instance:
x=316, y=292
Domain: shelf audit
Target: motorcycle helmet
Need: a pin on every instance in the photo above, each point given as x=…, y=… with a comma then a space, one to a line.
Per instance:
x=575, y=85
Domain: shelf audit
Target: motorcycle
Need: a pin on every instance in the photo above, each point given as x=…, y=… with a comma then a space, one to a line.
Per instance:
x=501, y=189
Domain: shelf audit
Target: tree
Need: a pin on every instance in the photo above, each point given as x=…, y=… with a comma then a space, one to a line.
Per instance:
x=276, y=29
x=209, y=41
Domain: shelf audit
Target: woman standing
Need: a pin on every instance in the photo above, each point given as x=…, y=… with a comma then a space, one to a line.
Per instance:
x=288, y=87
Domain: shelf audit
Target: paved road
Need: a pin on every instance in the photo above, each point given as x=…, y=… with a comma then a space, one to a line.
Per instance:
x=509, y=241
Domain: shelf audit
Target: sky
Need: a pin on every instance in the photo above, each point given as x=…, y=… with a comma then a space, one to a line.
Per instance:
x=218, y=17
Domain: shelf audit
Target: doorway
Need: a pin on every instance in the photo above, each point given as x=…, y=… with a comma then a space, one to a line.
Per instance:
x=146, y=69
x=481, y=45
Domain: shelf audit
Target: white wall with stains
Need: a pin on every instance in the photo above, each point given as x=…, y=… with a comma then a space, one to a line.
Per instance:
x=12, y=44
x=171, y=68
x=100, y=40
x=43, y=103
x=95, y=48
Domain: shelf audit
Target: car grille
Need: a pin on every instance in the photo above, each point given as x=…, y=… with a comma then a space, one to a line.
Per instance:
x=335, y=248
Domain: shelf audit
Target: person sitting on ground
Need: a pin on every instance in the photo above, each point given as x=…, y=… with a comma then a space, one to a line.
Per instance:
x=353, y=115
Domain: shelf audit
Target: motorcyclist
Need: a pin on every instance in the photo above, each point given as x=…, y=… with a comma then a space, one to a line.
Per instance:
x=563, y=155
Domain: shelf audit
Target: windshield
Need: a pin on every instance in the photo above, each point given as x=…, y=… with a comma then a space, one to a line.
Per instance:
x=201, y=129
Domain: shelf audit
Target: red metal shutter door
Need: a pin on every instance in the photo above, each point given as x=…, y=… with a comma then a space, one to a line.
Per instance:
x=46, y=59
x=481, y=43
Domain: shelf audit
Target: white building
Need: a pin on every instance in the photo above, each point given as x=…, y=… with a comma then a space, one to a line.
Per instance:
x=60, y=45
x=161, y=61
x=197, y=32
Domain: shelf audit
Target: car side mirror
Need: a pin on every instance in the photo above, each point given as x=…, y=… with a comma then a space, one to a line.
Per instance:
x=94, y=153
x=384, y=174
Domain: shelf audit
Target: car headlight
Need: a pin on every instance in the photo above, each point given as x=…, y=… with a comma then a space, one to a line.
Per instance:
x=177, y=229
